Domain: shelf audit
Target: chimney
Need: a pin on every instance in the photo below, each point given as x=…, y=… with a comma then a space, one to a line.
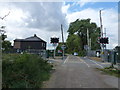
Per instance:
x=35, y=35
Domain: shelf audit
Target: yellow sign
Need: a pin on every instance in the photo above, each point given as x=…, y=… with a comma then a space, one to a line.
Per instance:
x=102, y=52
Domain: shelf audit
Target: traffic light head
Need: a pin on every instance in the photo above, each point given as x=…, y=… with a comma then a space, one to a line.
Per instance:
x=104, y=40
x=54, y=40
x=51, y=40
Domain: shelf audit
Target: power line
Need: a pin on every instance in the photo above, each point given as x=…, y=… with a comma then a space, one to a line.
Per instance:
x=5, y=16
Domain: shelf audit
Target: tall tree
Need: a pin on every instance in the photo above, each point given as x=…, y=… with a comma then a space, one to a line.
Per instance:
x=6, y=45
x=78, y=30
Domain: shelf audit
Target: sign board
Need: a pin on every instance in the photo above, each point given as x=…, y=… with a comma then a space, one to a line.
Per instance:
x=59, y=51
x=86, y=47
x=63, y=47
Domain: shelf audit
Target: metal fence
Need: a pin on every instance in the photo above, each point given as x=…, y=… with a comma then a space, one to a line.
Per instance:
x=112, y=56
x=91, y=53
x=42, y=53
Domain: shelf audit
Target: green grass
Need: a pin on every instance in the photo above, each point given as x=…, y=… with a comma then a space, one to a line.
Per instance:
x=110, y=71
x=24, y=71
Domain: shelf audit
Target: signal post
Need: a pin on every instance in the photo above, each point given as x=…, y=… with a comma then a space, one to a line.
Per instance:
x=54, y=41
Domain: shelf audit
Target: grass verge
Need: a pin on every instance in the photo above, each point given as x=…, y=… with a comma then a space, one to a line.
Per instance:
x=110, y=71
x=96, y=59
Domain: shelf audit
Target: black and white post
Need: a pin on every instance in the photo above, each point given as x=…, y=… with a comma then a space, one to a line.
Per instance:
x=54, y=41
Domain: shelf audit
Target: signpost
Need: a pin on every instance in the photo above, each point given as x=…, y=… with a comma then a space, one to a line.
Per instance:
x=63, y=48
x=54, y=41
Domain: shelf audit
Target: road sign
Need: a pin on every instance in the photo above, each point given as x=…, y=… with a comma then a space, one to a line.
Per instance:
x=86, y=47
x=63, y=47
x=59, y=51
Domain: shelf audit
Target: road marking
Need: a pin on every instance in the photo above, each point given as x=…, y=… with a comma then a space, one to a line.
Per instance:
x=97, y=64
x=84, y=62
x=66, y=60
x=105, y=63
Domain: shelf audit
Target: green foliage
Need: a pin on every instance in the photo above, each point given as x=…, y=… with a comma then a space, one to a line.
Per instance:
x=24, y=71
x=77, y=37
x=3, y=37
x=73, y=43
x=6, y=45
x=59, y=48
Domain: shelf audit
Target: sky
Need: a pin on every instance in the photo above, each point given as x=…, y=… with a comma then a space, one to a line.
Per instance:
x=45, y=18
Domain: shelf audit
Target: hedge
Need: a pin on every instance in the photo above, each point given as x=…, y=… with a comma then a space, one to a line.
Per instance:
x=24, y=71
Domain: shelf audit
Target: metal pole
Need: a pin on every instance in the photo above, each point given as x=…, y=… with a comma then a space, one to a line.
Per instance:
x=105, y=36
x=105, y=31
x=63, y=53
x=88, y=37
x=54, y=51
x=90, y=43
x=54, y=45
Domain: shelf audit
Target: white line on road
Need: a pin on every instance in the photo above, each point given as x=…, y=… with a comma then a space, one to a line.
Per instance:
x=97, y=64
x=84, y=62
x=66, y=60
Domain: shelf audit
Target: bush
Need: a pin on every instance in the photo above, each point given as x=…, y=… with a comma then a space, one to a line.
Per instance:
x=24, y=71
x=82, y=53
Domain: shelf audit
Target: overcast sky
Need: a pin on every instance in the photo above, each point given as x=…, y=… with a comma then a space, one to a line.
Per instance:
x=45, y=18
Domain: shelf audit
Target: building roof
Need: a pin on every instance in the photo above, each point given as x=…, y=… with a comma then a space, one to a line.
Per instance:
x=32, y=38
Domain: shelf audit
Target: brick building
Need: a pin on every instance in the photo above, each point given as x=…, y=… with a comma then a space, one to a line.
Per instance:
x=31, y=44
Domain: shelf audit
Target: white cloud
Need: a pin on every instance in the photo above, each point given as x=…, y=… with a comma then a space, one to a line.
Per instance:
x=83, y=2
x=27, y=19
x=65, y=8
x=45, y=18
x=109, y=18
x=86, y=13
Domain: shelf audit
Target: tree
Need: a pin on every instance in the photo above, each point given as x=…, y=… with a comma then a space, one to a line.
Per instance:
x=6, y=45
x=3, y=37
x=73, y=43
x=77, y=37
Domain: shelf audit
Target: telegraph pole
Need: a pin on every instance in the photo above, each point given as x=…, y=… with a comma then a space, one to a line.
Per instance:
x=62, y=34
x=63, y=46
x=101, y=28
